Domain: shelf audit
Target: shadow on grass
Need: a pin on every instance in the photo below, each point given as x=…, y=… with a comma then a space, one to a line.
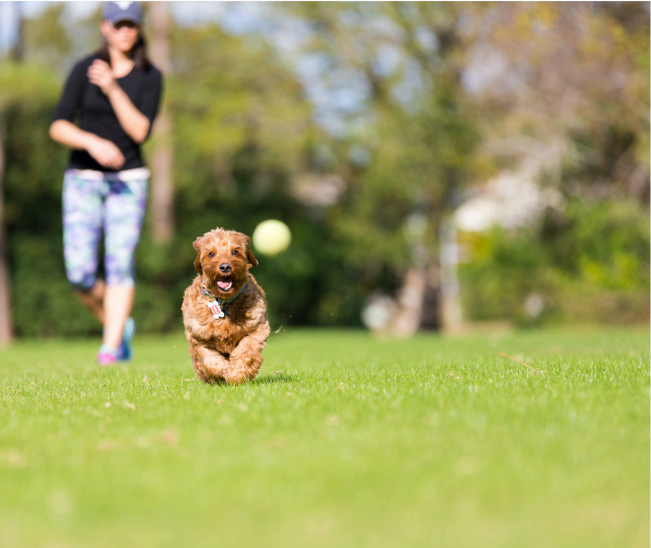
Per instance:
x=270, y=379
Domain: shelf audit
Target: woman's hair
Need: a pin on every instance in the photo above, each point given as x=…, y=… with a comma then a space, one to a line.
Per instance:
x=139, y=53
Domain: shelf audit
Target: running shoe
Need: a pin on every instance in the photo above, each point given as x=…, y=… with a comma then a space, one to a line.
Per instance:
x=107, y=355
x=125, y=352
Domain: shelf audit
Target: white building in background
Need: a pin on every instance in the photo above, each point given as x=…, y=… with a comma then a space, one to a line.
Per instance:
x=514, y=198
x=510, y=200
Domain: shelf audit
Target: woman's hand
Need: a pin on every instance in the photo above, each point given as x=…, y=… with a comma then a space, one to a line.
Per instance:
x=134, y=122
x=101, y=74
x=105, y=152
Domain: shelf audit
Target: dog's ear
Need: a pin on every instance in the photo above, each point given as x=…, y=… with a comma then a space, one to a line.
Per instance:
x=252, y=259
x=249, y=253
x=197, y=244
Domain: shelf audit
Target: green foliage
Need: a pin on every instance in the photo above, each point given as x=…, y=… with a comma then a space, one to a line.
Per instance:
x=242, y=131
x=409, y=142
x=605, y=244
x=589, y=263
x=45, y=38
x=239, y=141
x=417, y=161
x=410, y=138
x=42, y=301
x=29, y=85
x=343, y=440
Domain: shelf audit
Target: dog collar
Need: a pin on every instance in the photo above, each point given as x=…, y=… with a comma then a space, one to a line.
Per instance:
x=218, y=306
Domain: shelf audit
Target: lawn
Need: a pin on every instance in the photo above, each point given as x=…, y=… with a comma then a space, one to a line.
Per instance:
x=344, y=440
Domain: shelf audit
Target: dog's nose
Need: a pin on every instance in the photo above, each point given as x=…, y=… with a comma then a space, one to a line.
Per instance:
x=225, y=268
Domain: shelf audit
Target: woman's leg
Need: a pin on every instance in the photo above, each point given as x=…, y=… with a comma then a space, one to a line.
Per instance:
x=125, y=209
x=118, y=302
x=83, y=215
x=94, y=300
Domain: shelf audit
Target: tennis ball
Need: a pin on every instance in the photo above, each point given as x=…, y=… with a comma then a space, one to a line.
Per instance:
x=271, y=237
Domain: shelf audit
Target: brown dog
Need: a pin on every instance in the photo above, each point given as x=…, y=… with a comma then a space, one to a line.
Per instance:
x=224, y=310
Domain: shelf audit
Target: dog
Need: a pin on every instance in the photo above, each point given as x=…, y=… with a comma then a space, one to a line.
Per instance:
x=224, y=310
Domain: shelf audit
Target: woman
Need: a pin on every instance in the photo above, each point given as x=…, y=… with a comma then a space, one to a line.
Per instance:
x=116, y=92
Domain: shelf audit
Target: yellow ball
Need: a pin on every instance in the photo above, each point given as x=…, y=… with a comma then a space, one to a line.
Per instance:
x=271, y=237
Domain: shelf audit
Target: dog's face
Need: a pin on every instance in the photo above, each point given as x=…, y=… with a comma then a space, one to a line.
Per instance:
x=223, y=258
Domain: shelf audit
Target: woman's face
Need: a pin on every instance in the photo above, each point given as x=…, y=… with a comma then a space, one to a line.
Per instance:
x=121, y=36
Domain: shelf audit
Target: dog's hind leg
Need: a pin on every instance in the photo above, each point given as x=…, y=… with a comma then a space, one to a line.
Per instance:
x=246, y=358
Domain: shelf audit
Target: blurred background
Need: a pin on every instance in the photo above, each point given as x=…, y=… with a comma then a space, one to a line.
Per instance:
x=438, y=164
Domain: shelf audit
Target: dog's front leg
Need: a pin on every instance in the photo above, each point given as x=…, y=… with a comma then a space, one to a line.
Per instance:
x=246, y=358
x=209, y=365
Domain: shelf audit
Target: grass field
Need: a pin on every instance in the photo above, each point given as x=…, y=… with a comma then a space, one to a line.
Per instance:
x=343, y=441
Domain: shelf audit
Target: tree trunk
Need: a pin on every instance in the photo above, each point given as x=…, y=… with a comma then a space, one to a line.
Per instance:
x=451, y=316
x=410, y=303
x=6, y=329
x=429, y=296
x=431, y=314
x=6, y=323
x=420, y=303
x=18, y=49
x=162, y=184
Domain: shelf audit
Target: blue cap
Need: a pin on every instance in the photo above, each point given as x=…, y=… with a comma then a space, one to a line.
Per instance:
x=122, y=11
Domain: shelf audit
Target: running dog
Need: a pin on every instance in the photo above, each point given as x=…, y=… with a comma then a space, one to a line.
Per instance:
x=224, y=310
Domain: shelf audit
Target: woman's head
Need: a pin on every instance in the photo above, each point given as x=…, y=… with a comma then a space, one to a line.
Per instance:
x=120, y=28
x=121, y=36
x=115, y=12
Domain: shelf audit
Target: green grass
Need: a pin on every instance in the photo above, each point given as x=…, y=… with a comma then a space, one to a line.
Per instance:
x=343, y=441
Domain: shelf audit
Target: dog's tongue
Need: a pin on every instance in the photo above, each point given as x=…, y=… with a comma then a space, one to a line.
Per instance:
x=224, y=284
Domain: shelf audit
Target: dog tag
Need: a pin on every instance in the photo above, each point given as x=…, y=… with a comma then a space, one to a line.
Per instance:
x=217, y=312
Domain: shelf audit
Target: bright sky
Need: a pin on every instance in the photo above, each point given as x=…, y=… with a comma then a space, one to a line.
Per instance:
x=237, y=18
x=234, y=17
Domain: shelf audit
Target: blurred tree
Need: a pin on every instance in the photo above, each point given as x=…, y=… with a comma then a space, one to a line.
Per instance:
x=6, y=324
x=576, y=74
x=564, y=91
x=46, y=40
x=405, y=97
x=25, y=90
x=18, y=49
x=162, y=183
x=243, y=130
x=410, y=143
x=594, y=266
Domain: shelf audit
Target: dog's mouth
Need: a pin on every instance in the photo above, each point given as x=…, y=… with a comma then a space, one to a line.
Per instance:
x=225, y=284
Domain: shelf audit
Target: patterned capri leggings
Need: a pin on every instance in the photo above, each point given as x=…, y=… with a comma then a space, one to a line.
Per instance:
x=96, y=203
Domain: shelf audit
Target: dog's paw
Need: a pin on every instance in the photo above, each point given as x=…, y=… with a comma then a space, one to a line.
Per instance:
x=238, y=377
x=243, y=367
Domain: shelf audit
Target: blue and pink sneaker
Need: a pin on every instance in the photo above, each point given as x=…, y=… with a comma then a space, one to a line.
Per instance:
x=125, y=352
x=108, y=355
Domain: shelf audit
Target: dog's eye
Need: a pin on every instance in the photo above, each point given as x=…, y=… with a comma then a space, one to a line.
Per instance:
x=211, y=254
x=234, y=252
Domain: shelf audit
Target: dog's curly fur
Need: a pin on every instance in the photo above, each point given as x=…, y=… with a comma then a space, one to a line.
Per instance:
x=227, y=349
